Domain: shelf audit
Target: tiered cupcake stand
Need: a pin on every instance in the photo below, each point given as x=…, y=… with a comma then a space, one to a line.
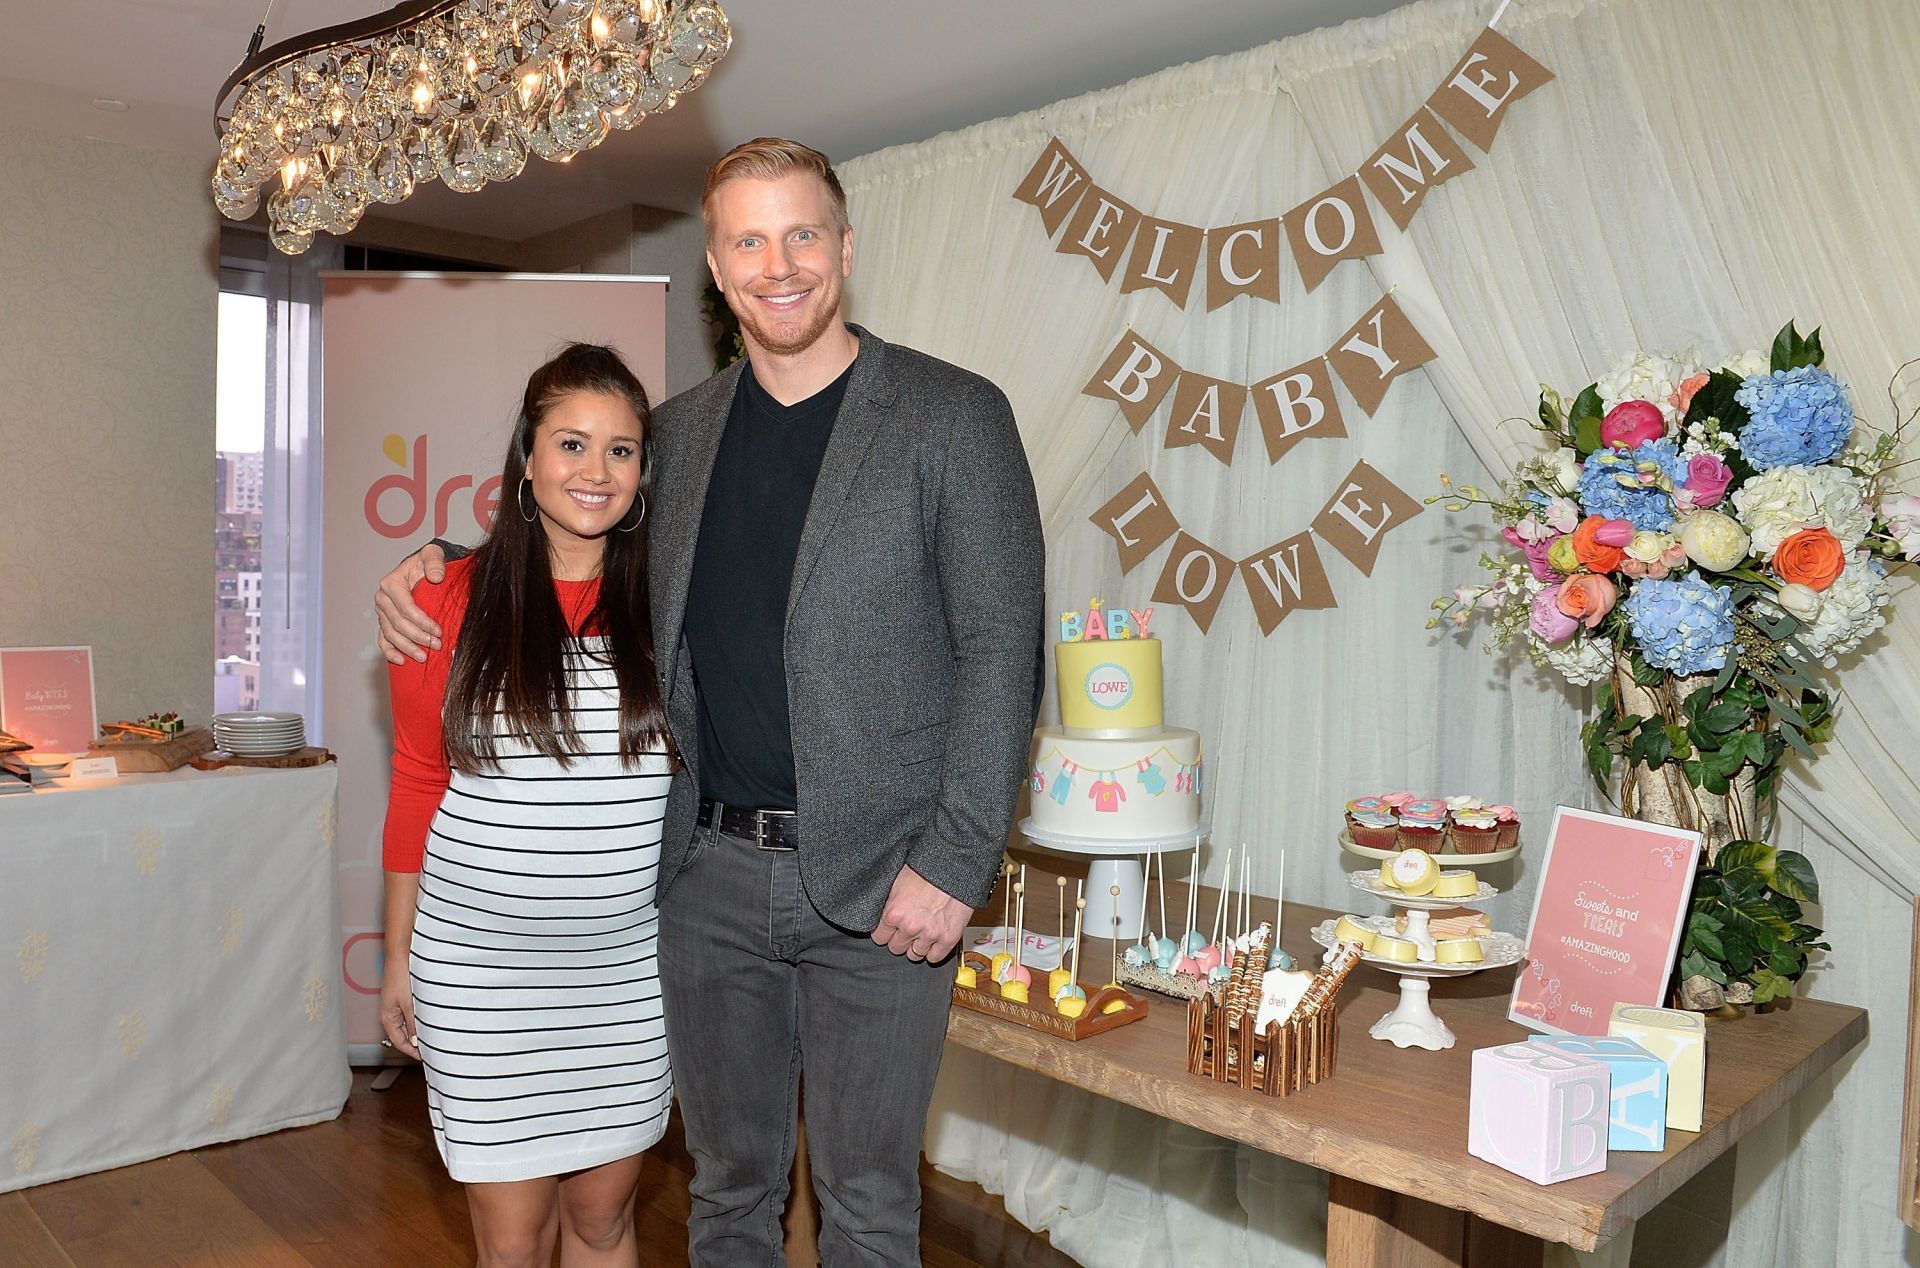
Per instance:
x=1413, y=1023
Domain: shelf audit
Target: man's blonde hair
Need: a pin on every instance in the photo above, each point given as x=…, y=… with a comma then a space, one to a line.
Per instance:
x=770, y=158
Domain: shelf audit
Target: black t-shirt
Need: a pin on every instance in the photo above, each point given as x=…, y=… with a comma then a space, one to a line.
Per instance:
x=763, y=478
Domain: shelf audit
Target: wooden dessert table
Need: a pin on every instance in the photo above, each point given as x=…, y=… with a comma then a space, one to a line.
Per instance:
x=1390, y=1127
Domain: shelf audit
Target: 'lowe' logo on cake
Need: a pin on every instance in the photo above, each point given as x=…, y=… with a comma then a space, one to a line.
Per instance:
x=1109, y=686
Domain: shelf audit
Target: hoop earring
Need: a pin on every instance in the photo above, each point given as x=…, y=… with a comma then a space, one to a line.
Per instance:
x=639, y=519
x=526, y=483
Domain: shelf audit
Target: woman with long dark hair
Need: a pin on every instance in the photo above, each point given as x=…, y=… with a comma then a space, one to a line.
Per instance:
x=530, y=773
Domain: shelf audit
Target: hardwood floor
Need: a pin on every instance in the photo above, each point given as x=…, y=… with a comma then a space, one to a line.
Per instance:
x=368, y=1191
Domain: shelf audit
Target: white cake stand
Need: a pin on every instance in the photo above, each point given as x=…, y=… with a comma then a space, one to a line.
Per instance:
x=1115, y=862
x=1413, y=1023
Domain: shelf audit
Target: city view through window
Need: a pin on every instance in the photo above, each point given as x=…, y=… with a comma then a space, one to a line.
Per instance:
x=240, y=436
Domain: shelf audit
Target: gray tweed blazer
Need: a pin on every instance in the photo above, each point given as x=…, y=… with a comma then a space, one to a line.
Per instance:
x=913, y=628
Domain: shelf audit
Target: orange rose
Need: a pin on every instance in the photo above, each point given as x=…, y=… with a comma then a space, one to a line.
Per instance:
x=1586, y=598
x=1812, y=557
x=1598, y=543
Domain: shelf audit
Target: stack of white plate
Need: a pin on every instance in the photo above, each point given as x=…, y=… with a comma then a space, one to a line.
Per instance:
x=260, y=734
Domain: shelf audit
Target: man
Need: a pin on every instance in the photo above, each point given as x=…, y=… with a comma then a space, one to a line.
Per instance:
x=846, y=599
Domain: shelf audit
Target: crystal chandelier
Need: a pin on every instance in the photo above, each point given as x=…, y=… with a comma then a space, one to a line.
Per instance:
x=459, y=91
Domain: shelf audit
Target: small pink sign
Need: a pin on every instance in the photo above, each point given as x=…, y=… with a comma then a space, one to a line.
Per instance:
x=1606, y=921
x=46, y=697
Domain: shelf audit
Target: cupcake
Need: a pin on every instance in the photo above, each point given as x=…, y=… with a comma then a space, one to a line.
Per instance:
x=1395, y=800
x=1423, y=825
x=1475, y=828
x=1509, y=835
x=1372, y=823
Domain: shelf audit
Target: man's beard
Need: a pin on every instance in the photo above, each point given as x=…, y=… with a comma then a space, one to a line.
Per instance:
x=799, y=340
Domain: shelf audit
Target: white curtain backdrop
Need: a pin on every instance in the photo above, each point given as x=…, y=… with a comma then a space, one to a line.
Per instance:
x=1699, y=172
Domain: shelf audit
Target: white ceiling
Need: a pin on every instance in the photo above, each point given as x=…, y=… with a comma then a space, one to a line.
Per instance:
x=846, y=76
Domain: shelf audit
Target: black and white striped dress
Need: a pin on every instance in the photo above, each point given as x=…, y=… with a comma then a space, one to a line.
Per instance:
x=536, y=987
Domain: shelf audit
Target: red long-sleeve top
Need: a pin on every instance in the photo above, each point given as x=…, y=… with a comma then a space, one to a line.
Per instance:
x=419, y=694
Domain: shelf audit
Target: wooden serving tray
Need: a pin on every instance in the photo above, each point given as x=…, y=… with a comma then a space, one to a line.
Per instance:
x=1044, y=1016
x=217, y=759
x=136, y=754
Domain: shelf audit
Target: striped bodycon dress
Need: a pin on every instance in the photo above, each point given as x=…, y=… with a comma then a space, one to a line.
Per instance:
x=534, y=957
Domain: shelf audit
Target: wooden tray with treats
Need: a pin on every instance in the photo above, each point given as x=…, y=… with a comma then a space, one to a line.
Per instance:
x=1093, y=1020
x=138, y=749
x=1286, y=1056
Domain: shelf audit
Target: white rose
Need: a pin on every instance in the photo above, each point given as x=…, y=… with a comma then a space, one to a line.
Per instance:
x=1711, y=539
x=1749, y=363
x=1802, y=603
x=1649, y=547
x=1776, y=504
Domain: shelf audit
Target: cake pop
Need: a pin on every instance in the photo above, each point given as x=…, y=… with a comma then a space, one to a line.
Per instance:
x=1164, y=950
x=1073, y=1000
x=1014, y=985
x=1280, y=959
x=1193, y=939
x=1209, y=957
x=1140, y=955
x=1002, y=958
x=1060, y=976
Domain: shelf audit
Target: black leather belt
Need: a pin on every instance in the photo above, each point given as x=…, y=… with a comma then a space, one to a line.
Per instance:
x=767, y=829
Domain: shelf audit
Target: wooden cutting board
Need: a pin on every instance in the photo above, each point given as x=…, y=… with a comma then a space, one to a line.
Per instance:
x=136, y=754
x=309, y=756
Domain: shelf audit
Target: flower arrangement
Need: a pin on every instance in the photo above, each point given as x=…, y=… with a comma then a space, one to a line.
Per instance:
x=1700, y=541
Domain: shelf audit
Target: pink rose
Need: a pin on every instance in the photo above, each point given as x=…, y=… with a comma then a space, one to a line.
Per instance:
x=1707, y=479
x=1548, y=621
x=1631, y=422
x=1563, y=515
x=1586, y=598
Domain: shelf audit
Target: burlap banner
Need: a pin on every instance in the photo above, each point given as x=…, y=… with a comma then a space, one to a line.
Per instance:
x=1292, y=406
x=1285, y=578
x=1149, y=253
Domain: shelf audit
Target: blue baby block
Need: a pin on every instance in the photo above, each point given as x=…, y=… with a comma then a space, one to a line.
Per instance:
x=1637, y=1117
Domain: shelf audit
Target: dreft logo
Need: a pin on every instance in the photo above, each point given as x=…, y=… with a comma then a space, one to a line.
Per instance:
x=413, y=484
x=1109, y=686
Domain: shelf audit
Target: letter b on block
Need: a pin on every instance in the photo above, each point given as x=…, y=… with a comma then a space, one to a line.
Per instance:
x=1538, y=1113
x=1637, y=1120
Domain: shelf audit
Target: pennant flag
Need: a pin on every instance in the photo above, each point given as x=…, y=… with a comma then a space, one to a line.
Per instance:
x=1136, y=376
x=1165, y=257
x=1296, y=405
x=1195, y=578
x=1100, y=229
x=1367, y=507
x=1206, y=412
x=1054, y=186
x=1138, y=519
x=1286, y=578
x=1420, y=155
x=1491, y=77
x=1376, y=350
x=1332, y=226
x=1243, y=260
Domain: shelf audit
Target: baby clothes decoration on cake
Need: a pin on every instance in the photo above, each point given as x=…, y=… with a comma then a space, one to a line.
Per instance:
x=1108, y=675
x=1150, y=777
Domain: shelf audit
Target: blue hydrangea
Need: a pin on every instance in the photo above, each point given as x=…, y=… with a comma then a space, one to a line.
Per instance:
x=1800, y=417
x=1683, y=626
x=1647, y=507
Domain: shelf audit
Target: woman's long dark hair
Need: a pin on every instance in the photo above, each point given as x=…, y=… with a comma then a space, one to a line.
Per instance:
x=510, y=658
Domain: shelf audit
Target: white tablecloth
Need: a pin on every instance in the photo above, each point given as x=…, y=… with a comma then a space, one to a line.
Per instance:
x=169, y=966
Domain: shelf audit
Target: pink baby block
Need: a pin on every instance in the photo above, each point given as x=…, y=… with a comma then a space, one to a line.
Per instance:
x=1538, y=1112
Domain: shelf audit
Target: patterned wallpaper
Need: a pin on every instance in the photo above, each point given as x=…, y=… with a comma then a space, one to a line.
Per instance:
x=109, y=287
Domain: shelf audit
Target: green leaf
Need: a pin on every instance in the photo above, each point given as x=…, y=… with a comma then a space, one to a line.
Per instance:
x=1787, y=963
x=1813, y=353
x=1716, y=400
x=1724, y=678
x=1707, y=941
x=1646, y=675
x=1584, y=419
x=1603, y=697
x=1765, y=917
x=1784, y=345
x=1754, y=745
x=1769, y=986
x=1722, y=718
x=1792, y=736
x=1697, y=965
x=1755, y=856
x=1726, y=760
x=1550, y=417
x=1786, y=712
x=1793, y=876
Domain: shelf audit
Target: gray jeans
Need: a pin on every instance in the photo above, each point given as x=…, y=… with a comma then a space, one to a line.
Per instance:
x=759, y=989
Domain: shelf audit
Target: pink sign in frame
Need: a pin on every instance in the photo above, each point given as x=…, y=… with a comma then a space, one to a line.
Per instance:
x=1606, y=923
x=46, y=697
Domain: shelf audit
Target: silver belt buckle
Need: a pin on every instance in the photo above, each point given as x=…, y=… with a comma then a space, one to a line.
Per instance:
x=760, y=841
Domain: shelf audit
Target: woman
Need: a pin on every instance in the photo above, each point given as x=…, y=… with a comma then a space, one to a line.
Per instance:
x=530, y=773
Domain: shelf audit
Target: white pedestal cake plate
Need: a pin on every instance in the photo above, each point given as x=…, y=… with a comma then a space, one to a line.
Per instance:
x=1413, y=1023
x=1115, y=862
